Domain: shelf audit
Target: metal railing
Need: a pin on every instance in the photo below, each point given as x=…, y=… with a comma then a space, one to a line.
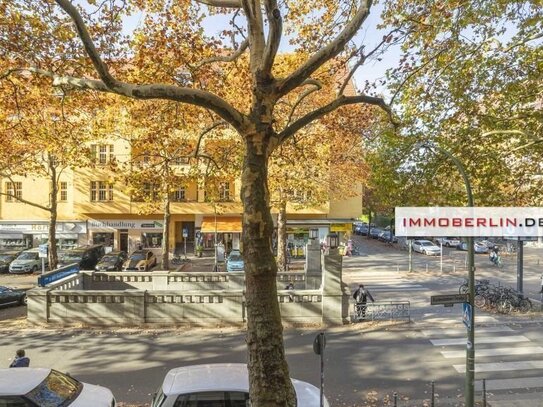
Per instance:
x=379, y=310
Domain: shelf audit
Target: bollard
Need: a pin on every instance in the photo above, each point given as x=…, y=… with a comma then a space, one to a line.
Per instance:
x=433, y=394
x=454, y=268
x=484, y=392
x=427, y=267
x=395, y=395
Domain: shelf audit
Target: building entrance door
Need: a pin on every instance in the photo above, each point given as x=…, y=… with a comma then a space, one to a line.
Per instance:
x=123, y=240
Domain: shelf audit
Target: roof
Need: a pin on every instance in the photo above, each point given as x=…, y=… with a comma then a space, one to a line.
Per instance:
x=21, y=380
x=226, y=377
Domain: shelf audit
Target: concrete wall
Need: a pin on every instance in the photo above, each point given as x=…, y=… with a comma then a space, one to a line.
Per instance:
x=196, y=299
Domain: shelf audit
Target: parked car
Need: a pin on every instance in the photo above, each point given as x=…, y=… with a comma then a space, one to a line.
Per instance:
x=34, y=387
x=85, y=256
x=426, y=247
x=6, y=257
x=27, y=262
x=11, y=296
x=234, y=261
x=140, y=260
x=219, y=384
x=374, y=232
x=385, y=237
x=448, y=241
x=361, y=229
x=478, y=247
x=111, y=261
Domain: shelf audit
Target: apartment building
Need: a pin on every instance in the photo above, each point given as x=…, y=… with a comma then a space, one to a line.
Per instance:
x=95, y=206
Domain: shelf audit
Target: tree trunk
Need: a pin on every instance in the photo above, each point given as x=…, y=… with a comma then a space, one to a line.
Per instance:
x=53, y=256
x=269, y=379
x=282, y=237
x=166, y=234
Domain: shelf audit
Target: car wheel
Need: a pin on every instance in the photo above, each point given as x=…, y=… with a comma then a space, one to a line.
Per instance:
x=34, y=269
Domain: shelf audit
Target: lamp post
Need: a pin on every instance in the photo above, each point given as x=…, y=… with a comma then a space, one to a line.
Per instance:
x=469, y=389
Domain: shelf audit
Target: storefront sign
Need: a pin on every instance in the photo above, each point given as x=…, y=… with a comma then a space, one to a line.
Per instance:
x=57, y=274
x=125, y=224
x=33, y=228
x=341, y=227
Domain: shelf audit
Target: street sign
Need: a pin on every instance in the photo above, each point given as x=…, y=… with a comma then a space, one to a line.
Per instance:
x=43, y=250
x=185, y=232
x=466, y=316
x=448, y=299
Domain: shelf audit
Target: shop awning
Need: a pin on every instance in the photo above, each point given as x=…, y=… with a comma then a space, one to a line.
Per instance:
x=11, y=235
x=222, y=225
x=71, y=236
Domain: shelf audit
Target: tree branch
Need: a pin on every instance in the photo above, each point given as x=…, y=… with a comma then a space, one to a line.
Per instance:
x=155, y=91
x=228, y=58
x=330, y=107
x=203, y=133
x=328, y=52
x=255, y=27
x=316, y=87
x=274, y=34
x=221, y=3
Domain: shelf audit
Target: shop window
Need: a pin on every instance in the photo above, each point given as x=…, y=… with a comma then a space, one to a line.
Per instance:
x=102, y=153
x=151, y=240
x=224, y=191
x=105, y=238
x=101, y=191
x=179, y=195
x=63, y=191
x=14, y=190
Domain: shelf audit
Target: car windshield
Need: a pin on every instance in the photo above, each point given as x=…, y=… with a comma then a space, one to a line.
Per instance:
x=109, y=259
x=137, y=256
x=426, y=243
x=235, y=258
x=56, y=389
x=28, y=256
x=71, y=257
x=6, y=258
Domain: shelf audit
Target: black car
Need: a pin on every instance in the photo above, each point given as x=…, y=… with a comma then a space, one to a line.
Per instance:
x=85, y=256
x=6, y=257
x=11, y=296
x=112, y=261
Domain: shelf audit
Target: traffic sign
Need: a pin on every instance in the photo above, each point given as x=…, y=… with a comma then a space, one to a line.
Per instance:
x=43, y=250
x=466, y=316
x=448, y=299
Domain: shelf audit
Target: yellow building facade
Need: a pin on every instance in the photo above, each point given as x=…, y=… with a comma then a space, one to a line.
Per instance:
x=95, y=207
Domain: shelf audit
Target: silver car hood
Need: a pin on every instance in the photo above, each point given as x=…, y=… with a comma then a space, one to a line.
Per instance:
x=93, y=396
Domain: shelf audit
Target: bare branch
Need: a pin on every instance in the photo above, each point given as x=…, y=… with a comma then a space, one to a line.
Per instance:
x=203, y=133
x=274, y=35
x=228, y=58
x=221, y=3
x=255, y=25
x=328, y=52
x=330, y=107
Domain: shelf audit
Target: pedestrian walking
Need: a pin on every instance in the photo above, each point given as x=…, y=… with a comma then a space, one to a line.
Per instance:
x=20, y=359
x=361, y=296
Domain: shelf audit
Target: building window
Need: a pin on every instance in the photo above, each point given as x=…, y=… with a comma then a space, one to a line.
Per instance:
x=63, y=191
x=179, y=195
x=14, y=190
x=224, y=191
x=101, y=191
x=102, y=153
x=151, y=240
x=105, y=238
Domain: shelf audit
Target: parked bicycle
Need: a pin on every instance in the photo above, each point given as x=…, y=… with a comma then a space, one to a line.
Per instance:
x=502, y=299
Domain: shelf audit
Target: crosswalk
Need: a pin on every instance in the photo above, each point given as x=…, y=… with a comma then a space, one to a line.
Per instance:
x=388, y=281
x=507, y=359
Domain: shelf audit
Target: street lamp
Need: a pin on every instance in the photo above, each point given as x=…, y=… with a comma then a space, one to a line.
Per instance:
x=469, y=390
x=313, y=233
x=332, y=240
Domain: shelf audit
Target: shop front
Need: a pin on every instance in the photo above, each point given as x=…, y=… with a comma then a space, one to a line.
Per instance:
x=298, y=232
x=127, y=234
x=26, y=234
x=224, y=230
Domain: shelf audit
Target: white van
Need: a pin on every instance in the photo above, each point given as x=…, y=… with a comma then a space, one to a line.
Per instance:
x=28, y=261
x=220, y=384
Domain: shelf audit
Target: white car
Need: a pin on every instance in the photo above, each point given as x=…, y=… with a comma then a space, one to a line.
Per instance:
x=211, y=384
x=448, y=241
x=27, y=262
x=35, y=387
x=426, y=247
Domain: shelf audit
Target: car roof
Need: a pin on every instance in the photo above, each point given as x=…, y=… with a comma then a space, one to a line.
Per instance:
x=21, y=381
x=10, y=251
x=225, y=377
